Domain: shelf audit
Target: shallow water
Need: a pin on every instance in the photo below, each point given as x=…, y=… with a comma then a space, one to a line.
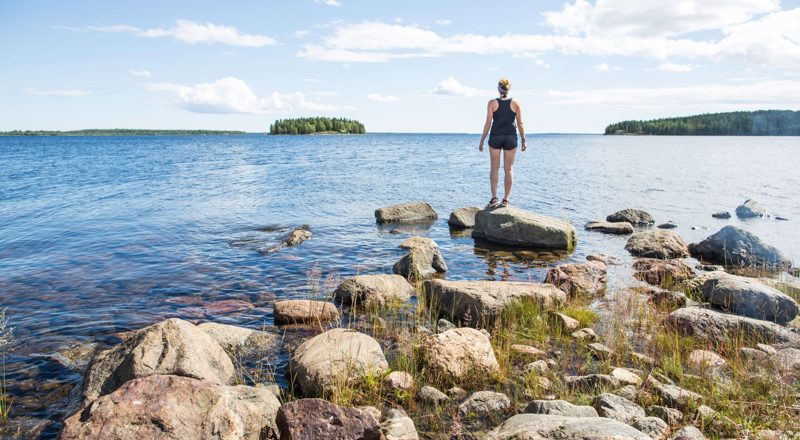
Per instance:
x=107, y=234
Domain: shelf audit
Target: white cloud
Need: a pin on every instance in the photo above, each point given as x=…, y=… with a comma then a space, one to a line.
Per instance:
x=377, y=97
x=541, y=63
x=140, y=73
x=751, y=31
x=335, y=3
x=753, y=95
x=603, y=67
x=654, y=17
x=192, y=32
x=676, y=68
x=62, y=93
x=444, y=22
x=232, y=95
x=302, y=33
x=453, y=87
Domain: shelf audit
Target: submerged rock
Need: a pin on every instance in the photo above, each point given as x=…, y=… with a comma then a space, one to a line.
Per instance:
x=749, y=297
x=161, y=407
x=663, y=244
x=463, y=218
x=479, y=303
x=298, y=236
x=459, y=354
x=618, y=228
x=420, y=263
x=374, y=290
x=302, y=311
x=516, y=227
x=414, y=212
x=308, y=419
x=750, y=209
x=539, y=426
x=711, y=325
x=338, y=356
x=173, y=346
x=579, y=279
x=636, y=217
x=732, y=246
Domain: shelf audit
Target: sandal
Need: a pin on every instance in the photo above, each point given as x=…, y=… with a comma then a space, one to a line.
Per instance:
x=504, y=203
x=492, y=203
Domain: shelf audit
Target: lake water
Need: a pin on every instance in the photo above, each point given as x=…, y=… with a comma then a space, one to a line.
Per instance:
x=107, y=234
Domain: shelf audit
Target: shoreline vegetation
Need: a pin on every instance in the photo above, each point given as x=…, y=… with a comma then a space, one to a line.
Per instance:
x=741, y=123
x=119, y=132
x=317, y=125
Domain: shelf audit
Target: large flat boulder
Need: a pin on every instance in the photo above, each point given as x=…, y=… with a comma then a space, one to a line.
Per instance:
x=458, y=354
x=317, y=419
x=463, y=218
x=617, y=228
x=560, y=408
x=479, y=303
x=542, y=427
x=579, y=279
x=173, y=347
x=414, y=212
x=749, y=297
x=714, y=326
x=636, y=217
x=516, y=227
x=732, y=246
x=661, y=243
x=374, y=290
x=163, y=407
x=320, y=365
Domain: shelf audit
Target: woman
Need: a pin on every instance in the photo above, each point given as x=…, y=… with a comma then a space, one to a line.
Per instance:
x=504, y=116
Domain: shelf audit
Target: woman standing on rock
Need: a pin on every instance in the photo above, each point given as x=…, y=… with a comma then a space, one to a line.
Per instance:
x=504, y=117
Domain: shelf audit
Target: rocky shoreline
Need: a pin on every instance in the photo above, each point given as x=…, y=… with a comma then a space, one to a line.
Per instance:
x=689, y=353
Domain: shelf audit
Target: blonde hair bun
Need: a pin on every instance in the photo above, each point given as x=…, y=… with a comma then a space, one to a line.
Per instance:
x=504, y=83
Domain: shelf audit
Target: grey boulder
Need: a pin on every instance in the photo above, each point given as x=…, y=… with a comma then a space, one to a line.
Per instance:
x=420, y=263
x=617, y=228
x=711, y=325
x=539, y=426
x=732, y=246
x=414, y=212
x=662, y=244
x=749, y=297
x=617, y=408
x=750, y=209
x=560, y=408
x=463, y=218
x=374, y=290
x=516, y=227
x=636, y=217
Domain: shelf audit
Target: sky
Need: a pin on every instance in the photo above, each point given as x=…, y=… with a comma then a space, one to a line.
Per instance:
x=397, y=66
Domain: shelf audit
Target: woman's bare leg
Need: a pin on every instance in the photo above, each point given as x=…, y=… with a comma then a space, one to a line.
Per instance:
x=508, y=168
x=494, y=155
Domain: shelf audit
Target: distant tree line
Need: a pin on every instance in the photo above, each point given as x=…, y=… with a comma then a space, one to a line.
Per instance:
x=755, y=123
x=117, y=132
x=316, y=125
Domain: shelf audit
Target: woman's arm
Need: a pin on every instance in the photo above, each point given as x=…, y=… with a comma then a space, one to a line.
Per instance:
x=521, y=127
x=486, y=124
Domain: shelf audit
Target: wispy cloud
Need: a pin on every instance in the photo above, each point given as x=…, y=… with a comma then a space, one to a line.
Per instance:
x=676, y=68
x=140, y=73
x=190, y=32
x=63, y=93
x=335, y=3
x=377, y=97
x=453, y=87
x=232, y=95
x=603, y=67
x=444, y=22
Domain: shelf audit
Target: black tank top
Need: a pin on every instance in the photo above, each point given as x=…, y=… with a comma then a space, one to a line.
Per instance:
x=504, y=120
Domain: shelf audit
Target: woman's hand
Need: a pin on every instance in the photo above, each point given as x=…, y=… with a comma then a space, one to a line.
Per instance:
x=524, y=145
x=480, y=147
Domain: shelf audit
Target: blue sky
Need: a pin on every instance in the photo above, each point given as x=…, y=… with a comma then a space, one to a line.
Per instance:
x=411, y=66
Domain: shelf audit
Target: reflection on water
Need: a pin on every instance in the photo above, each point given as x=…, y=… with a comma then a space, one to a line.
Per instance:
x=99, y=236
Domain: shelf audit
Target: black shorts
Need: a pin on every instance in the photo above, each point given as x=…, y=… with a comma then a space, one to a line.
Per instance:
x=503, y=141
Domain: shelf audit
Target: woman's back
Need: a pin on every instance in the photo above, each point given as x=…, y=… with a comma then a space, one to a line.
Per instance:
x=504, y=118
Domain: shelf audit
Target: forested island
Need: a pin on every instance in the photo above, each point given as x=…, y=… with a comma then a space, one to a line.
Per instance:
x=754, y=123
x=118, y=132
x=318, y=125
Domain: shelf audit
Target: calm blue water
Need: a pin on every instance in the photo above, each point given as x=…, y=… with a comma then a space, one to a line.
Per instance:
x=102, y=235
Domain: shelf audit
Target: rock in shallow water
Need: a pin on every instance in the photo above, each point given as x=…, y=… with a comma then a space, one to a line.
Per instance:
x=721, y=215
x=374, y=290
x=636, y=217
x=420, y=263
x=317, y=419
x=516, y=227
x=160, y=407
x=539, y=426
x=482, y=301
x=618, y=228
x=732, y=246
x=173, y=346
x=320, y=364
x=750, y=209
x=414, y=212
x=463, y=218
x=662, y=244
